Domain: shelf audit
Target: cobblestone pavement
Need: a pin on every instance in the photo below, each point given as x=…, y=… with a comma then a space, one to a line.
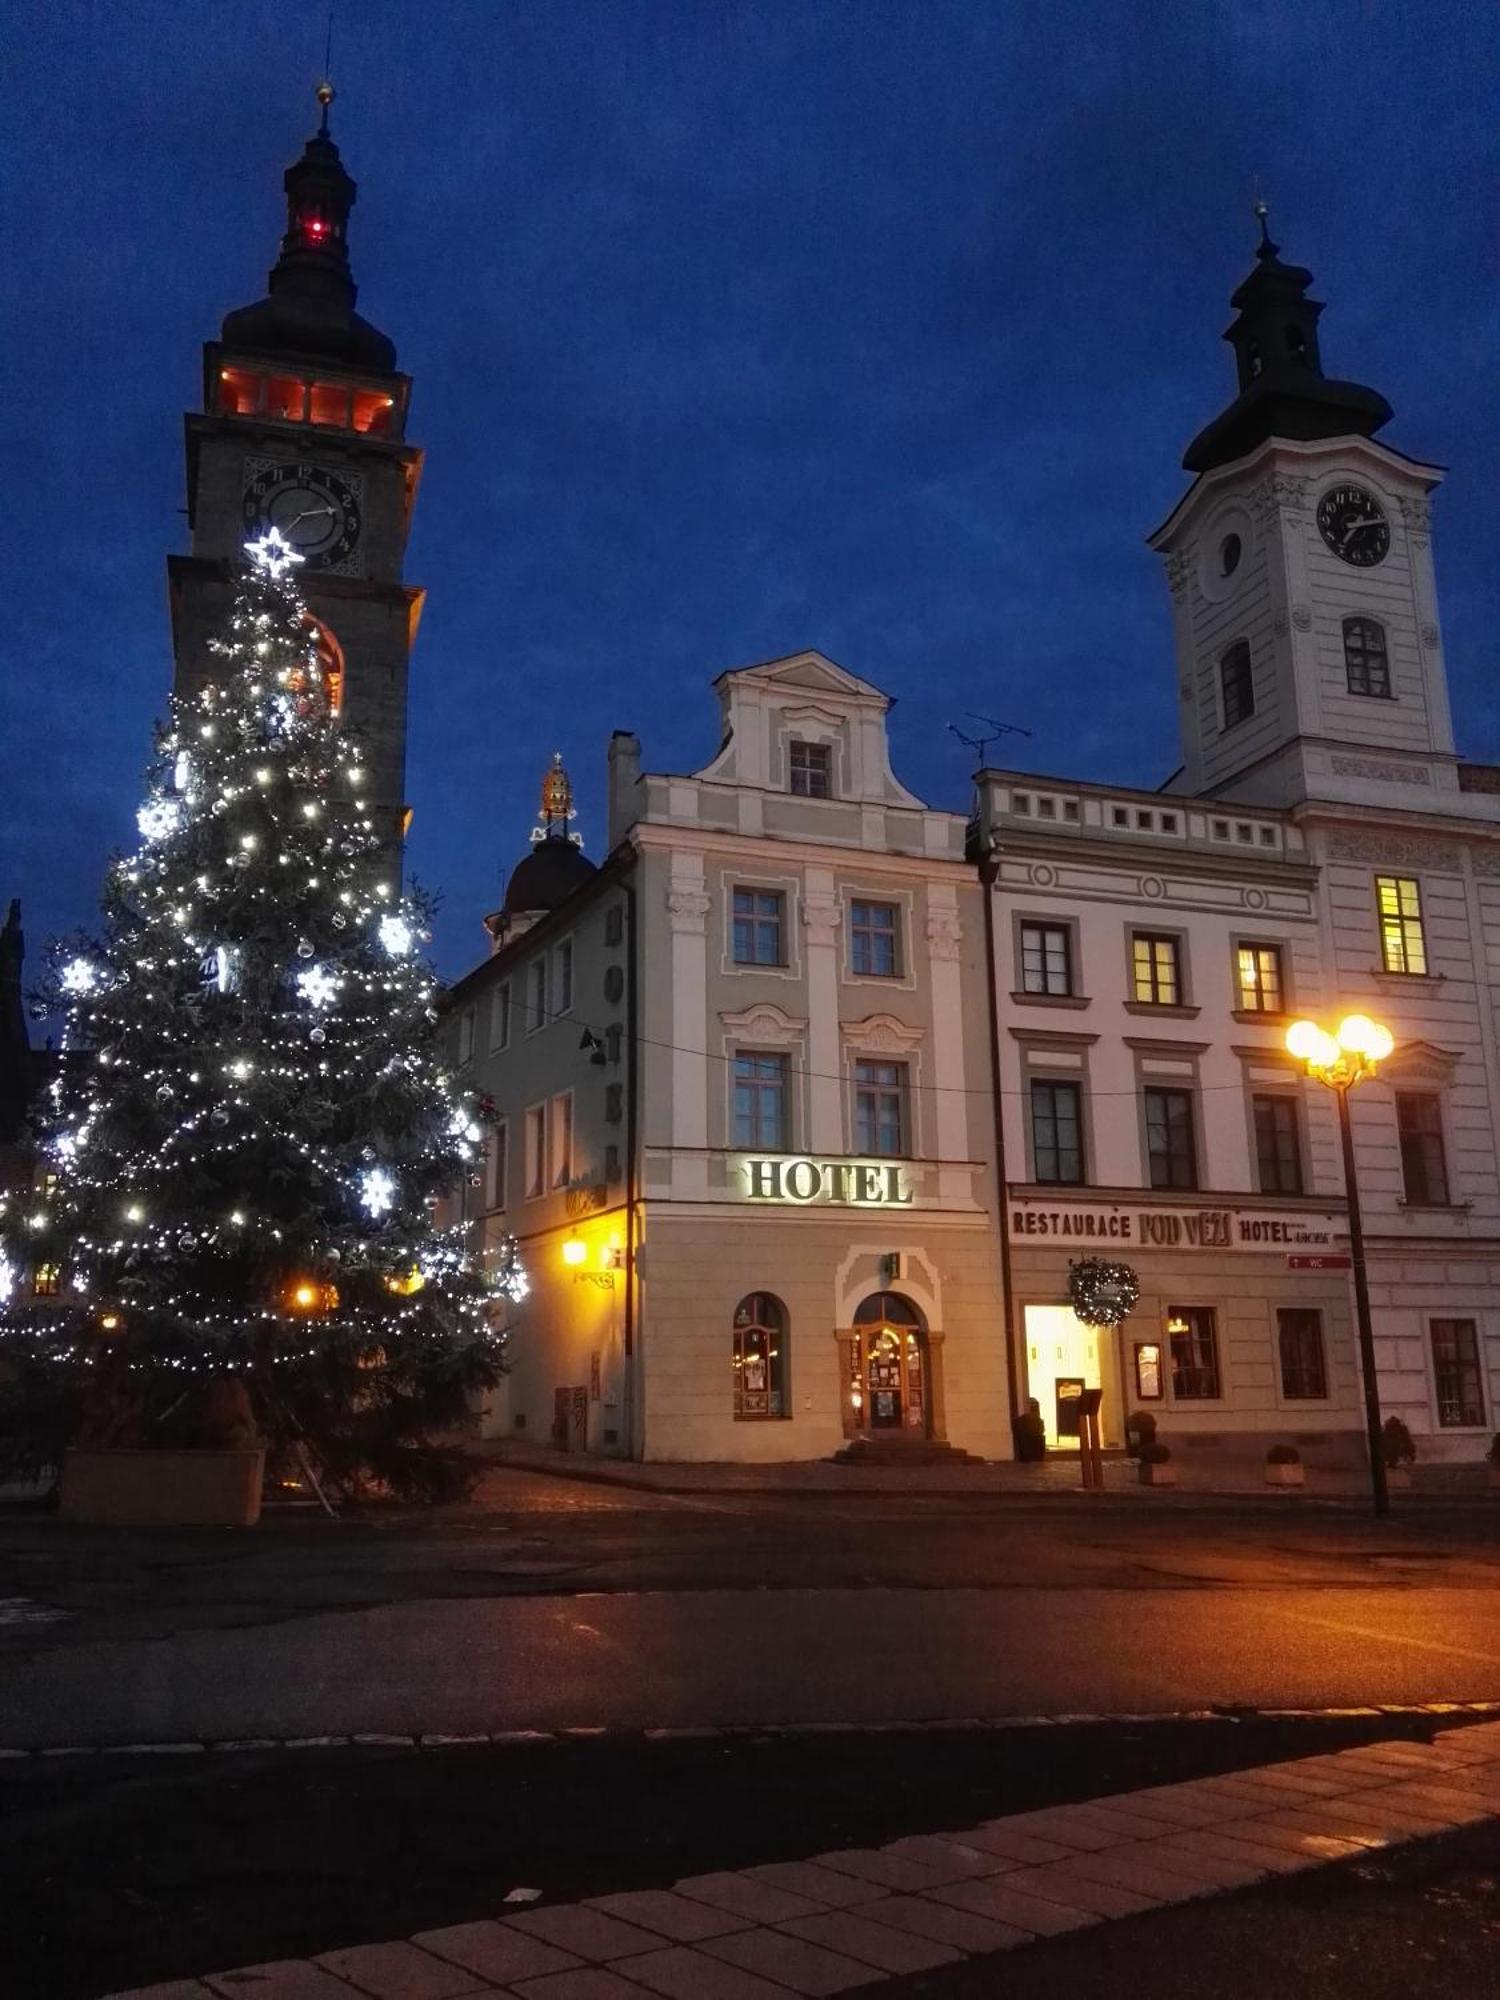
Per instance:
x=833, y=1922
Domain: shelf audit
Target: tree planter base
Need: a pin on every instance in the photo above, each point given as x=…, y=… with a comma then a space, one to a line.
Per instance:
x=163, y=1489
x=1286, y=1475
x=1398, y=1478
x=1159, y=1475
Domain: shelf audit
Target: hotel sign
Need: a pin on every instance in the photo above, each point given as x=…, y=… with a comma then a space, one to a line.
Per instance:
x=836, y=1183
x=1073, y=1223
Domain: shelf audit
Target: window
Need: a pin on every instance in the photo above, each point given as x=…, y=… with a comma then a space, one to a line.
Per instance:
x=1046, y=959
x=1455, y=1371
x=497, y=1165
x=1195, y=1353
x=1259, y=977
x=536, y=995
x=560, y=1137
x=500, y=1017
x=1237, y=684
x=758, y=927
x=810, y=767
x=872, y=940
x=760, y=1103
x=1403, y=942
x=880, y=1090
x=1170, y=1151
x=1299, y=1344
x=1367, y=666
x=1424, y=1164
x=536, y=1150
x=45, y=1281
x=760, y=1357
x=614, y=924
x=466, y=1035
x=1057, y=1132
x=1157, y=969
x=562, y=978
x=1278, y=1154
x=330, y=404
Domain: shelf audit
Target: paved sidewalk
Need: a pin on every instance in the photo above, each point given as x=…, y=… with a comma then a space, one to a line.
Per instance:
x=833, y=1922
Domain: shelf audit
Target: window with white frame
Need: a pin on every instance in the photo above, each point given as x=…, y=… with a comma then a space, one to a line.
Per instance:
x=466, y=1035
x=1456, y=1374
x=1193, y=1338
x=874, y=940
x=562, y=978
x=761, y=1123
x=1258, y=978
x=500, y=1017
x=810, y=770
x=536, y=995
x=560, y=1138
x=1046, y=958
x=536, y=1150
x=882, y=1116
x=759, y=921
x=497, y=1167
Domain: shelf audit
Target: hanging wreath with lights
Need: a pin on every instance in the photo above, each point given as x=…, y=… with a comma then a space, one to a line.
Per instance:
x=1103, y=1294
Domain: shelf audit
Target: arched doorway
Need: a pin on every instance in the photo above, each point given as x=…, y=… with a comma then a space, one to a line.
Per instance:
x=888, y=1385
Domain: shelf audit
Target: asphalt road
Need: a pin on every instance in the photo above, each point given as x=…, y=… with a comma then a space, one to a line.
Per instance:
x=554, y=1610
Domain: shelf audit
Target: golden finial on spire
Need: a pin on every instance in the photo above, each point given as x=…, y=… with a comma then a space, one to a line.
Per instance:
x=557, y=793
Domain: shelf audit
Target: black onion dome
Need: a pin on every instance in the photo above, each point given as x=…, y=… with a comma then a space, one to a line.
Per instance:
x=546, y=878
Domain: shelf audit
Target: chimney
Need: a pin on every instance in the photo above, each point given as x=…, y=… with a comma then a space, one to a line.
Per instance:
x=624, y=784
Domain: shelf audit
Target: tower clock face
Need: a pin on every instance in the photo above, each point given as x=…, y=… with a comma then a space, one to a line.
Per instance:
x=1353, y=524
x=316, y=510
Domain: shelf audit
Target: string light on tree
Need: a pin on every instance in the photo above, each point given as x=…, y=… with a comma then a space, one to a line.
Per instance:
x=213, y=1156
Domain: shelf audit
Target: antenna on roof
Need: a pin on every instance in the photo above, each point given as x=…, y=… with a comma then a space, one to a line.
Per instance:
x=992, y=733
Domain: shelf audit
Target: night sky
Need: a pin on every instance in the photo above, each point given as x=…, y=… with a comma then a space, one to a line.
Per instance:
x=737, y=326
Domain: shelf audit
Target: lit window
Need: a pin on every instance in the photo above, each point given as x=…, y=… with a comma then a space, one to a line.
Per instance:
x=758, y=927
x=880, y=1109
x=872, y=940
x=1456, y=1374
x=1046, y=959
x=760, y=1357
x=1259, y=967
x=239, y=392
x=1278, y=1150
x=560, y=1135
x=1403, y=942
x=1367, y=665
x=1195, y=1353
x=286, y=397
x=372, y=412
x=1157, y=969
x=330, y=662
x=1237, y=684
x=1424, y=1162
x=810, y=770
x=45, y=1281
x=1299, y=1343
x=1057, y=1132
x=330, y=405
x=760, y=1102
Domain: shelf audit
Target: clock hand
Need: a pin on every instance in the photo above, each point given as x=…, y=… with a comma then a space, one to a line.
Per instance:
x=1352, y=527
x=308, y=514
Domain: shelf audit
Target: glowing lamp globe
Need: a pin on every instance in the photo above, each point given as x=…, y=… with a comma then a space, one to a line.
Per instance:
x=575, y=1250
x=1307, y=1041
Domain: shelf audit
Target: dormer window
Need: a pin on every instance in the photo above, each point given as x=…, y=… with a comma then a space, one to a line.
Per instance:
x=810, y=770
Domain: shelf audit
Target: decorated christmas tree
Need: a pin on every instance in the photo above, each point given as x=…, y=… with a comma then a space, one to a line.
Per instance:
x=251, y=1124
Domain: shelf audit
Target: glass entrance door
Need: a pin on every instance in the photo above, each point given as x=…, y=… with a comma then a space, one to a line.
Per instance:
x=888, y=1368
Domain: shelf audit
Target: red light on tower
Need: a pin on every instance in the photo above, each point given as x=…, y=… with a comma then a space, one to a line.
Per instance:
x=315, y=227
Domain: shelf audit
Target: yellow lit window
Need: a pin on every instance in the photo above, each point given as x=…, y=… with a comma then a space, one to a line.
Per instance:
x=1403, y=942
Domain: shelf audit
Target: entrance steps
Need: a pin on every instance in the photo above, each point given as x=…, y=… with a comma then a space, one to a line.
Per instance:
x=890, y=1453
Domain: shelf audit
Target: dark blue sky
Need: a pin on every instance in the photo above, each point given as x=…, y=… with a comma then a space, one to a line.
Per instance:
x=737, y=326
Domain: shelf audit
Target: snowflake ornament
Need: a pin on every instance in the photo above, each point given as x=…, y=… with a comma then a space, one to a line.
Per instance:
x=318, y=986
x=158, y=818
x=377, y=1191
x=396, y=935
x=79, y=976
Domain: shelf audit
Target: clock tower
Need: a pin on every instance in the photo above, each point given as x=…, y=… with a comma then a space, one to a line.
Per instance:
x=1309, y=661
x=303, y=428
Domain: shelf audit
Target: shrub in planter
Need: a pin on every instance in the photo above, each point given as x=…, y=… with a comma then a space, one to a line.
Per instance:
x=1398, y=1450
x=1157, y=1468
x=1140, y=1429
x=1284, y=1466
x=1030, y=1434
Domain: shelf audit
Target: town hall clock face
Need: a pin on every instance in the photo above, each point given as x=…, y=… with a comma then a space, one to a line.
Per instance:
x=317, y=511
x=1354, y=526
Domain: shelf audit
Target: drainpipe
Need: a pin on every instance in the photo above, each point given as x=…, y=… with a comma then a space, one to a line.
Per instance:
x=635, y=1426
x=989, y=870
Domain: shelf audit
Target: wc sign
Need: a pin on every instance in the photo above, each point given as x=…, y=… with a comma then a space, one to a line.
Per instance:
x=845, y=1183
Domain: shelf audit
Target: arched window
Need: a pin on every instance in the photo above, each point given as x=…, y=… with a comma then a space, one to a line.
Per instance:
x=887, y=1309
x=1366, y=662
x=1237, y=684
x=760, y=1358
x=330, y=660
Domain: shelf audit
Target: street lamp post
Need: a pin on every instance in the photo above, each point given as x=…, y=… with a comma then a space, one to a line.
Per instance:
x=1348, y=1057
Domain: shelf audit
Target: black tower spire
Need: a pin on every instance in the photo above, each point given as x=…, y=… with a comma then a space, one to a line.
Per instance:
x=1283, y=391
x=310, y=310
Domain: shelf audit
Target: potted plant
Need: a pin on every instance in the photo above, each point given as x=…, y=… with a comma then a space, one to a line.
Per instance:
x=1140, y=1429
x=198, y=1463
x=1157, y=1468
x=1492, y=1463
x=1398, y=1451
x=1030, y=1434
x=1284, y=1466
